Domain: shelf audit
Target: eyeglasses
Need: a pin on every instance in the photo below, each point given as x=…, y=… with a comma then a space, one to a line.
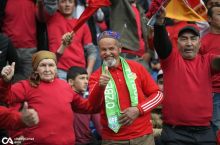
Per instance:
x=109, y=34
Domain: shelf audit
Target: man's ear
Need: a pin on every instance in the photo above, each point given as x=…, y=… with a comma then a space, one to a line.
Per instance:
x=71, y=82
x=120, y=50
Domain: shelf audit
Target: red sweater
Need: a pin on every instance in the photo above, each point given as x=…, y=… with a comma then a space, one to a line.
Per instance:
x=210, y=44
x=4, y=88
x=10, y=119
x=74, y=53
x=187, y=90
x=148, y=96
x=20, y=23
x=82, y=130
x=54, y=103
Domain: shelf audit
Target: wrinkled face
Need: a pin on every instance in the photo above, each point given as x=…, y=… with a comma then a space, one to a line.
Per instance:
x=47, y=70
x=215, y=19
x=188, y=45
x=80, y=83
x=66, y=7
x=109, y=51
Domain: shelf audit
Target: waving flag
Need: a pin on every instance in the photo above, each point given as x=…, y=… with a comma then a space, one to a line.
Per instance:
x=155, y=7
x=185, y=10
x=93, y=5
x=182, y=10
x=199, y=7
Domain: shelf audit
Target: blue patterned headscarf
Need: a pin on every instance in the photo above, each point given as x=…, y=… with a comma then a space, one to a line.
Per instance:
x=109, y=34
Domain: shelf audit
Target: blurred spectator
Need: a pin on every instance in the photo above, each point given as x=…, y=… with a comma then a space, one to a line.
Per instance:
x=210, y=44
x=187, y=107
x=96, y=25
x=81, y=45
x=155, y=67
x=19, y=24
x=128, y=18
x=8, y=55
x=157, y=113
x=210, y=3
x=160, y=80
x=77, y=77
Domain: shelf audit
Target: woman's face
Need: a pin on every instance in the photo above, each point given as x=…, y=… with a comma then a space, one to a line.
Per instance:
x=47, y=70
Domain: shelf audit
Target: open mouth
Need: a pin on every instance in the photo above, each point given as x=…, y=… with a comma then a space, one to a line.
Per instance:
x=188, y=50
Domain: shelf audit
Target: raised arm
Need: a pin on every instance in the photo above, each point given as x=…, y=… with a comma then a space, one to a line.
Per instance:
x=162, y=42
x=93, y=104
x=6, y=75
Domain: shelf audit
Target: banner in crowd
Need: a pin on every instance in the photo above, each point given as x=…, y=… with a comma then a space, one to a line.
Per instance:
x=182, y=10
x=199, y=7
x=93, y=6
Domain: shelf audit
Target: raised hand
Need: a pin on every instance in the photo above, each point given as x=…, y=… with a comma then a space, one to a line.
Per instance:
x=66, y=41
x=8, y=72
x=67, y=38
x=104, y=78
x=129, y=115
x=29, y=116
x=160, y=17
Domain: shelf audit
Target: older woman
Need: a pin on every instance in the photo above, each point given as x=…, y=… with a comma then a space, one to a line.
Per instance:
x=53, y=99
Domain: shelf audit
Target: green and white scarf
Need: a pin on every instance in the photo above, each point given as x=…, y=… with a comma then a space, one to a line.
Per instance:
x=112, y=105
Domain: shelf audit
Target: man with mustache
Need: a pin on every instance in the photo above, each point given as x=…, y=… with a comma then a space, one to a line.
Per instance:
x=187, y=107
x=129, y=96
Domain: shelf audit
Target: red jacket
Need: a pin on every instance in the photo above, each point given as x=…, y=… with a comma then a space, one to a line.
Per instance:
x=54, y=103
x=148, y=97
x=9, y=119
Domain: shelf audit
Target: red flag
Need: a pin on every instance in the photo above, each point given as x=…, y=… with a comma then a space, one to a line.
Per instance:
x=155, y=6
x=93, y=5
x=181, y=10
x=198, y=7
x=100, y=3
